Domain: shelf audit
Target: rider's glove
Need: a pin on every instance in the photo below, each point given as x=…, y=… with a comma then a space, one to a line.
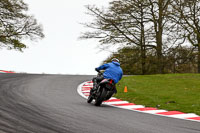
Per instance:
x=96, y=69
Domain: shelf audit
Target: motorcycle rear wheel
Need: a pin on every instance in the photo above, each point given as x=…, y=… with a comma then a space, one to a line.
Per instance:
x=100, y=97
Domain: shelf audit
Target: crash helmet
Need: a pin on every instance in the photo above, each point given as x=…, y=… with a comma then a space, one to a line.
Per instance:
x=115, y=60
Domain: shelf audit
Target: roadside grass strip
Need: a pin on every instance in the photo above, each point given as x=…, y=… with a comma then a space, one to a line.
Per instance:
x=84, y=90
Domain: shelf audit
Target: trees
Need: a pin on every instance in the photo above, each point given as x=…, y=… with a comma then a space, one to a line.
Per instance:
x=133, y=22
x=179, y=60
x=160, y=26
x=130, y=60
x=158, y=11
x=122, y=23
x=15, y=25
x=187, y=15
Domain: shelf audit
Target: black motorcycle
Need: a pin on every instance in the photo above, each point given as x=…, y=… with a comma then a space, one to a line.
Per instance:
x=105, y=89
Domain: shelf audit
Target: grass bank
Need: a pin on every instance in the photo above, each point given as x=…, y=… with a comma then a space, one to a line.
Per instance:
x=180, y=92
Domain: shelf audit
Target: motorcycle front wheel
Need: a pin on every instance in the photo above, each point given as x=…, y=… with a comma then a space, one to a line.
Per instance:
x=90, y=98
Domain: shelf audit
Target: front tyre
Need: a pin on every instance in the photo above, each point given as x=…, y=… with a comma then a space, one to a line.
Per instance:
x=90, y=98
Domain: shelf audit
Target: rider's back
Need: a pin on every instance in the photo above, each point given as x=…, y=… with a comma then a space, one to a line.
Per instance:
x=112, y=71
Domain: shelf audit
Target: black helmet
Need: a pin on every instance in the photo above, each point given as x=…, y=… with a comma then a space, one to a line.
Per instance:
x=115, y=59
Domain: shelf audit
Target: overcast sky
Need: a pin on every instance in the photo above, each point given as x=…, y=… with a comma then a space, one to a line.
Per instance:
x=60, y=52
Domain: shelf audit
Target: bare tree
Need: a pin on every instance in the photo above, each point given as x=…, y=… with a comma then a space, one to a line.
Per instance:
x=124, y=22
x=158, y=15
x=187, y=15
x=143, y=23
x=15, y=25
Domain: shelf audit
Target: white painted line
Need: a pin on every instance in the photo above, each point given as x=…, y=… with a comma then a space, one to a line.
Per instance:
x=132, y=106
x=118, y=102
x=184, y=115
x=154, y=111
x=86, y=91
x=112, y=98
x=88, y=84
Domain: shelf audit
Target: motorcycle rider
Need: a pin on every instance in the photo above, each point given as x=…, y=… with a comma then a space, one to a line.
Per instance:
x=112, y=71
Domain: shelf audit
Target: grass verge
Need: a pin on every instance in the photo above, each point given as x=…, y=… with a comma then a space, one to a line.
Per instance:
x=180, y=92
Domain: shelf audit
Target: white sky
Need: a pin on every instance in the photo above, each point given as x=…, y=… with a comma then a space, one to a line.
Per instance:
x=60, y=52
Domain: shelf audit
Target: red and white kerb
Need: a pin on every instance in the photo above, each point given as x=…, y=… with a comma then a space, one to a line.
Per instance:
x=84, y=90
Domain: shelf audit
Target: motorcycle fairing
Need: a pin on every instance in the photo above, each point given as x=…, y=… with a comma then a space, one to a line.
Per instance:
x=109, y=83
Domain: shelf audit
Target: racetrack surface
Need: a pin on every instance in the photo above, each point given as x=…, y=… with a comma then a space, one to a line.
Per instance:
x=31, y=103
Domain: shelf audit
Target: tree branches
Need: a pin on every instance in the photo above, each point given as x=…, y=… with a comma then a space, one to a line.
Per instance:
x=15, y=25
x=158, y=24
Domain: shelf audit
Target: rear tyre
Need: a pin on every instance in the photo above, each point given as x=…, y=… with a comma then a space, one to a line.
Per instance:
x=100, y=97
x=109, y=95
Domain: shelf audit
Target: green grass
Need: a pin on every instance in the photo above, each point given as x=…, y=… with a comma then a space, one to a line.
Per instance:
x=180, y=92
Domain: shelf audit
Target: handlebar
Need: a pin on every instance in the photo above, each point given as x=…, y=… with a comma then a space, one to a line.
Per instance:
x=99, y=71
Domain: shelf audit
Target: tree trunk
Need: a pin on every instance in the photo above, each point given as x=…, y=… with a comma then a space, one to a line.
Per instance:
x=143, y=55
x=159, y=33
x=198, y=62
x=159, y=58
x=142, y=43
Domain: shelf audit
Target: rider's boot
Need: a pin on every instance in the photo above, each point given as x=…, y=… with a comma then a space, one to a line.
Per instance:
x=94, y=85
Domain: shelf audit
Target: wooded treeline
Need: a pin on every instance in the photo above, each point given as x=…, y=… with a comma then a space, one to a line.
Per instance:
x=181, y=59
x=160, y=36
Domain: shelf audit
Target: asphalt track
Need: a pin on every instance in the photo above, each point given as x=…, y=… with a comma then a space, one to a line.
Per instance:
x=50, y=104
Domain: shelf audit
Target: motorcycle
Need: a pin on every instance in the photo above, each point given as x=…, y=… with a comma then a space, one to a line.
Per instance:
x=105, y=89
